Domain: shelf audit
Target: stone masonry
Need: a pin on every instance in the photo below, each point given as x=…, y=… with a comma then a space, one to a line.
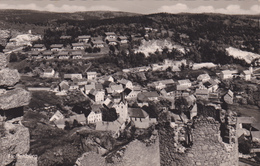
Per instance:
x=208, y=149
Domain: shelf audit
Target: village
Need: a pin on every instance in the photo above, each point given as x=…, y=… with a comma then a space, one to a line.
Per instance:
x=117, y=103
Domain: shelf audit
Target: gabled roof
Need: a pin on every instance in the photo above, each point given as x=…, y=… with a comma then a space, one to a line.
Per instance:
x=98, y=42
x=168, y=81
x=38, y=45
x=63, y=53
x=246, y=72
x=123, y=81
x=77, y=44
x=116, y=87
x=122, y=37
x=56, y=46
x=47, y=52
x=229, y=71
x=96, y=108
x=65, y=37
x=186, y=81
x=76, y=53
x=256, y=126
x=92, y=73
x=137, y=113
x=84, y=37
x=98, y=86
x=89, y=87
x=202, y=91
x=109, y=33
x=110, y=126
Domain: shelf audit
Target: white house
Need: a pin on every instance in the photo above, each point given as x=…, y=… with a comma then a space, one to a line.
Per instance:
x=95, y=114
x=126, y=83
x=227, y=74
x=110, y=35
x=211, y=85
x=84, y=38
x=122, y=109
x=123, y=39
x=183, y=84
x=246, y=75
x=91, y=75
x=97, y=96
x=77, y=55
x=38, y=47
x=48, y=73
x=56, y=47
x=63, y=55
x=58, y=115
x=98, y=44
x=78, y=46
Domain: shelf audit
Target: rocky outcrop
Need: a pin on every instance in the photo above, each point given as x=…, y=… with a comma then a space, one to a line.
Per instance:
x=3, y=61
x=14, y=98
x=16, y=140
x=9, y=77
x=26, y=160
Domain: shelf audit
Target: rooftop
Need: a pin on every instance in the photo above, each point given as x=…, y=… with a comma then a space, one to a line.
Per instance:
x=137, y=113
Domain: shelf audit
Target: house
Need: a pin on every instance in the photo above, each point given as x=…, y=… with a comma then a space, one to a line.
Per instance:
x=183, y=84
x=110, y=35
x=97, y=96
x=203, y=78
x=58, y=115
x=108, y=103
x=244, y=120
x=63, y=37
x=38, y=47
x=246, y=74
x=126, y=83
x=211, y=85
x=64, y=86
x=229, y=97
x=48, y=73
x=56, y=47
x=95, y=115
x=63, y=55
x=109, y=78
x=78, y=46
x=35, y=55
x=202, y=93
x=140, y=118
x=78, y=117
x=89, y=87
x=122, y=39
x=84, y=38
x=77, y=54
x=91, y=75
x=114, y=127
x=228, y=74
x=72, y=76
x=98, y=44
x=74, y=86
x=117, y=97
x=116, y=88
x=111, y=41
x=130, y=94
x=134, y=113
x=147, y=96
x=47, y=54
x=162, y=84
x=168, y=91
x=122, y=109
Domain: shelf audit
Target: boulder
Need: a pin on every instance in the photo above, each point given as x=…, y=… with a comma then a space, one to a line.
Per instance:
x=14, y=98
x=3, y=61
x=9, y=77
x=16, y=140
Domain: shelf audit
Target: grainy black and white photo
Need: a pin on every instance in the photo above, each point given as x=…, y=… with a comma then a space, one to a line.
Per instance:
x=129, y=83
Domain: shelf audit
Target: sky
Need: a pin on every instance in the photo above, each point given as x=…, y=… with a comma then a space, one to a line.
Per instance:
x=138, y=6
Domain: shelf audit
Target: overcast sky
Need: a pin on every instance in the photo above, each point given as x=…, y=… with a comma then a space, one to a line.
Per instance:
x=138, y=6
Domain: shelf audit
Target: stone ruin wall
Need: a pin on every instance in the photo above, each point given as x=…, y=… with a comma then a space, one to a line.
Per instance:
x=208, y=147
x=14, y=137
